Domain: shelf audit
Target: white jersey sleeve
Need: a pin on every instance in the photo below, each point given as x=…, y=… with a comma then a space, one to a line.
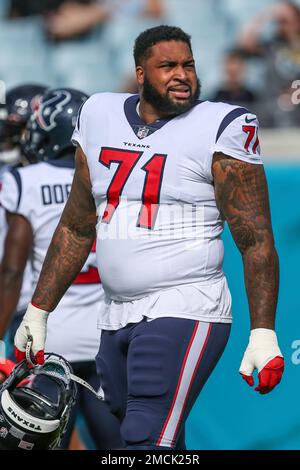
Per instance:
x=238, y=138
x=10, y=199
x=78, y=137
x=10, y=192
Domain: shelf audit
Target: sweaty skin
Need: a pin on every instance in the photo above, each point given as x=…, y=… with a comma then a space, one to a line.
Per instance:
x=242, y=197
x=72, y=240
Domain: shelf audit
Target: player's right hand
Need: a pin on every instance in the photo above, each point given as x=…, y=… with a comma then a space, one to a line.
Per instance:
x=32, y=328
x=6, y=368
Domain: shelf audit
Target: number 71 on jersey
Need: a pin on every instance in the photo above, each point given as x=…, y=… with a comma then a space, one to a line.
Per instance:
x=126, y=161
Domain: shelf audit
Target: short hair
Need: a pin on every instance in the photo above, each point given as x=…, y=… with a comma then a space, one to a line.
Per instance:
x=152, y=36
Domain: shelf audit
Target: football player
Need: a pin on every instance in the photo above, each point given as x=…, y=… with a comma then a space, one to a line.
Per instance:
x=20, y=102
x=34, y=198
x=158, y=173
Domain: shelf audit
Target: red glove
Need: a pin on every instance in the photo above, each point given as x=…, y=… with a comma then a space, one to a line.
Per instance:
x=268, y=377
x=6, y=367
x=32, y=330
x=264, y=355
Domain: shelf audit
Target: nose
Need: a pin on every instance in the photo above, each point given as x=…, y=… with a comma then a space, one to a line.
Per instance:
x=180, y=73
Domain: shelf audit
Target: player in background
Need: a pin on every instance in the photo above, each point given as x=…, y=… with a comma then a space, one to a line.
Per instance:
x=34, y=197
x=170, y=169
x=20, y=102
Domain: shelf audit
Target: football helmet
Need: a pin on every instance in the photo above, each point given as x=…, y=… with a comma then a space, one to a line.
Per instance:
x=20, y=102
x=49, y=131
x=34, y=413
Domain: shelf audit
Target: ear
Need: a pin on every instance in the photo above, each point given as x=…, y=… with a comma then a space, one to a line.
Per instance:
x=140, y=75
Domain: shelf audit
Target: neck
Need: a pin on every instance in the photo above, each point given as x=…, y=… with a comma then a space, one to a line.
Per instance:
x=148, y=113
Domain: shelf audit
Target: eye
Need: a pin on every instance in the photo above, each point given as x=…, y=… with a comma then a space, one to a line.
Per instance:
x=190, y=66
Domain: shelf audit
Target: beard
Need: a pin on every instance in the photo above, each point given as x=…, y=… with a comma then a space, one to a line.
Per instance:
x=164, y=104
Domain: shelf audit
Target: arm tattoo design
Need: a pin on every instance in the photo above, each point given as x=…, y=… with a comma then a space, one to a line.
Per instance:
x=242, y=197
x=71, y=242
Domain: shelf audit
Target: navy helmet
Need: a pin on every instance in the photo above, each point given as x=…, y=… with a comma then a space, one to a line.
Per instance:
x=35, y=405
x=49, y=131
x=19, y=104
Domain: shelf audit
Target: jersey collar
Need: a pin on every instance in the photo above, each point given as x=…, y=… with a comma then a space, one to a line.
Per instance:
x=68, y=163
x=138, y=126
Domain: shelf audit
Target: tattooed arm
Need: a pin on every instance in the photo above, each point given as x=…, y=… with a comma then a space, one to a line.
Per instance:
x=17, y=248
x=242, y=197
x=72, y=241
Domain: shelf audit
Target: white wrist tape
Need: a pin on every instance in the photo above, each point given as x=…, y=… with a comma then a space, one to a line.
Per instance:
x=34, y=323
x=262, y=348
x=35, y=314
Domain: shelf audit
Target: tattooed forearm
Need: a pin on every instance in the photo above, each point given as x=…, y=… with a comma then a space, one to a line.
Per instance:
x=71, y=242
x=65, y=258
x=261, y=269
x=242, y=197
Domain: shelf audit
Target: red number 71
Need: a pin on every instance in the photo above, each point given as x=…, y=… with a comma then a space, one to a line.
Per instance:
x=126, y=160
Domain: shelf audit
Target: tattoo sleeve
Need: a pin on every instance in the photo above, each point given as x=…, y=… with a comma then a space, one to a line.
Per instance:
x=242, y=197
x=71, y=242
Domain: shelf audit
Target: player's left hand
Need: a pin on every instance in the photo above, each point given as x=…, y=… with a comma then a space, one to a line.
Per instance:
x=263, y=354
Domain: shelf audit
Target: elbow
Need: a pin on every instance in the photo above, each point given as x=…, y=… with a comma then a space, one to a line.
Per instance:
x=266, y=249
x=262, y=254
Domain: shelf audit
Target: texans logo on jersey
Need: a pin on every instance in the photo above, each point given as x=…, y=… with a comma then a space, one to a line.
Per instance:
x=50, y=108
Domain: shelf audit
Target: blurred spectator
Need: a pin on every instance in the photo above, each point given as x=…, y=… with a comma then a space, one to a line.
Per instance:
x=91, y=35
x=19, y=8
x=281, y=55
x=73, y=18
x=233, y=89
x=68, y=19
x=65, y=19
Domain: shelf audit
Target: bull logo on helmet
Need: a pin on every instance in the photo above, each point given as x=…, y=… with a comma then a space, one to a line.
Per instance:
x=49, y=109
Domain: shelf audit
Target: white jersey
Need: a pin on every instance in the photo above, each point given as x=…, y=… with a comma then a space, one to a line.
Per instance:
x=159, y=229
x=44, y=188
x=26, y=289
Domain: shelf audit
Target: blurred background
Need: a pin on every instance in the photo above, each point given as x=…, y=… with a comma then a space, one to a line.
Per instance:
x=247, y=53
